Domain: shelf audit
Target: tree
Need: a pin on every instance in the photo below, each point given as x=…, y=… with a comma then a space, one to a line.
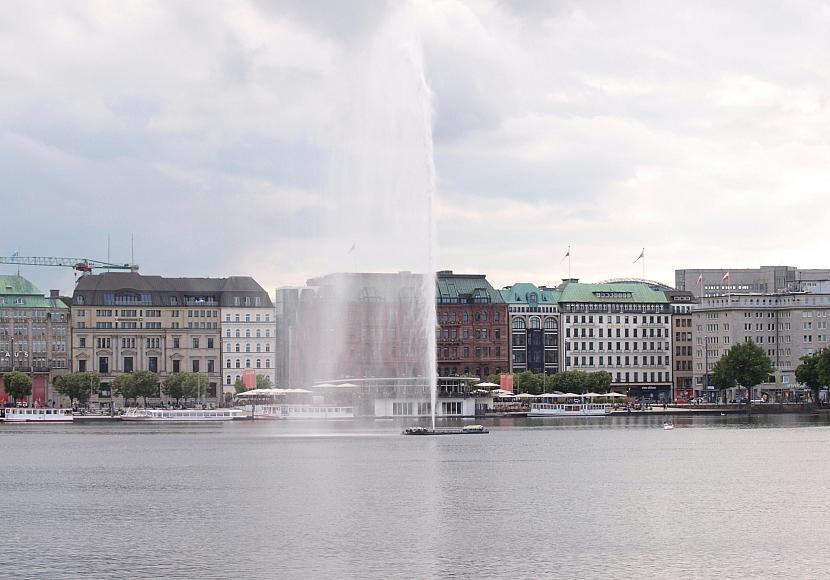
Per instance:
x=124, y=386
x=18, y=385
x=529, y=382
x=77, y=386
x=239, y=386
x=745, y=365
x=195, y=385
x=146, y=384
x=174, y=386
x=814, y=371
x=263, y=382
x=599, y=381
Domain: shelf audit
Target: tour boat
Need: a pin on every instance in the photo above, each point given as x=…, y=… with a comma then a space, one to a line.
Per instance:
x=465, y=430
x=289, y=411
x=569, y=410
x=183, y=415
x=29, y=415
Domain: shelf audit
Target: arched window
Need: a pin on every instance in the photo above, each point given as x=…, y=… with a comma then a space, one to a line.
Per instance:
x=535, y=322
x=247, y=363
x=531, y=298
x=267, y=364
x=236, y=317
x=237, y=347
x=267, y=333
x=247, y=318
x=258, y=347
x=238, y=363
x=550, y=324
x=259, y=363
x=228, y=380
x=258, y=333
x=267, y=347
x=228, y=363
x=247, y=333
x=518, y=324
x=237, y=333
x=228, y=333
x=248, y=348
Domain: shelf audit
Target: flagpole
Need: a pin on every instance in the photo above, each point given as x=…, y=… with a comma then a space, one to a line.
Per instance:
x=569, y=262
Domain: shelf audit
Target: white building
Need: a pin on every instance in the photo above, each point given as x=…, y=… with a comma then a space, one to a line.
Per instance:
x=248, y=336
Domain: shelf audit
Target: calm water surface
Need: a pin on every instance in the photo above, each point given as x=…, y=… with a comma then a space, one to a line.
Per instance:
x=592, y=498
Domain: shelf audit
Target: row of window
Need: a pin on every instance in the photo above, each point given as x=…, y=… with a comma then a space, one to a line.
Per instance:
x=256, y=318
x=627, y=361
x=620, y=346
x=128, y=365
x=258, y=333
x=247, y=347
x=480, y=333
x=452, y=354
x=620, y=333
x=238, y=363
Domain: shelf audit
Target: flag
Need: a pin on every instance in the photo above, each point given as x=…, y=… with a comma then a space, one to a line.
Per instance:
x=567, y=254
x=641, y=256
x=354, y=245
x=700, y=280
x=725, y=278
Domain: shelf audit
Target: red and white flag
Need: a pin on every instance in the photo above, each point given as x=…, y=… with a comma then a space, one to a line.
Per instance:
x=700, y=280
x=641, y=256
x=567, y=254
x=725, y=278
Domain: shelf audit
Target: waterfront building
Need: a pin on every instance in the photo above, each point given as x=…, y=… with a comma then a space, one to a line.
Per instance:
x=248, y=331
x=787, y=325
x=471, y=338
x=682, y=302
x=34, y=336
x=124, y=322
x=766, y=279
x=623, y=328
x=286, y=304
x=534, y=327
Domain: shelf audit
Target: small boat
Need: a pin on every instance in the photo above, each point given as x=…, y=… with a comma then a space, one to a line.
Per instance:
x=30, y=415
x=668, y=425
x=465, y=430
x=182, y=415
x=289, y=411
x=569, y=410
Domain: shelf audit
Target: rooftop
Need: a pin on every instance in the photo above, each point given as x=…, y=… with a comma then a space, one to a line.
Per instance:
x=634, y=293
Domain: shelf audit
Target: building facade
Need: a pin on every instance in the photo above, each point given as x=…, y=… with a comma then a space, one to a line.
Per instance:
x=248, y=331
x=34, y=336
x=682, y=302
x=534, y=328
x=766, y=279
x=125, y=322
x=472, y=334
x=621, y=328
x=786, y=325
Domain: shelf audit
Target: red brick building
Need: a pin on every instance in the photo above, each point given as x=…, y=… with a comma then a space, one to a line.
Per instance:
x=472, y=331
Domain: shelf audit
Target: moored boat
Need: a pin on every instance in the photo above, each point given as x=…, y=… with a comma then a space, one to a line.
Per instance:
x=183, y=415
x=465, y=430
x=569, y=410
x=30, y=415
x=309, y=412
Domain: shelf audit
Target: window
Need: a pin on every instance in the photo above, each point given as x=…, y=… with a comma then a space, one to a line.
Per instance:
x=238, y=363
x=195, y=365
x=247, y=363
x=195, y=344
x=177, y=366
x=175, y=343
x=259, y=363
x=128, y=364
x=103, y=365
x=210, y=343
x=82, y=342
x=210, y=366
x=153, y=364
x=82, y=365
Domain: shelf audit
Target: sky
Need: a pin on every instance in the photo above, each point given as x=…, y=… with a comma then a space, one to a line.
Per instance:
x=228, y=138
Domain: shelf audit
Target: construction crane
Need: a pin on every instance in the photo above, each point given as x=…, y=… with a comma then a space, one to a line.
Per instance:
x=82, y=265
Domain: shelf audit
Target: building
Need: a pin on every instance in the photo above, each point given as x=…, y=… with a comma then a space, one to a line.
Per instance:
x=623, y=328
x=472, y=336
x=787, y=325
x=248, y=331
x=534, y=327
x=766, y=279
x=124, y=322
x=682, y=302
x=34, y=336
x=286, y=304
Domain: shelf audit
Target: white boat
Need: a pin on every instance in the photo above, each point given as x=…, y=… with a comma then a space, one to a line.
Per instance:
x=569, y=410
x=27, y=415
x=668, y=426
x=182, y=415
x=289, y=411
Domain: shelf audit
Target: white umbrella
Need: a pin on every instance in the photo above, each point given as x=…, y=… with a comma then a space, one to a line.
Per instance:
x=488, y=385
x=323, y=385
x=588, y=395
x=613, y=394
x=569, y=395
x=525, y=396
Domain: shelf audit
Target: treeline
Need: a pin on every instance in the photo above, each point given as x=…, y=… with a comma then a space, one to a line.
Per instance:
x=79, y=386
x=565, y=381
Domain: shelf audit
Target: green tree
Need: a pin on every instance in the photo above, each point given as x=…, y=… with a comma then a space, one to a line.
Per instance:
x=196, y=385
x=239, y=386
x=599, y=381
x=146, y=384
x=263, y=382
x=78, y=386
x=528, y=382
x=124, y=386
x=18, y=385
x=745, y=365
x=814, y=371
x=174, y=386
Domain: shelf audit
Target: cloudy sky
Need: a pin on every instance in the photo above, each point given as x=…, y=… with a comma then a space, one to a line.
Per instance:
x=231, y=138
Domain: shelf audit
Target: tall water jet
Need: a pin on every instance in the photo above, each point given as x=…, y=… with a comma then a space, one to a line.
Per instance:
x=369, y=309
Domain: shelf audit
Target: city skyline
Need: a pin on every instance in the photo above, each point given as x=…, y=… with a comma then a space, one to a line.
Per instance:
x=184, y=128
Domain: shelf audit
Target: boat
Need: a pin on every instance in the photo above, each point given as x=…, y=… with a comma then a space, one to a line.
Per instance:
x=289, y=411
x=668, y=426
x=569, y=410
x=465, y=430
x=30, y=415
x=182, y=415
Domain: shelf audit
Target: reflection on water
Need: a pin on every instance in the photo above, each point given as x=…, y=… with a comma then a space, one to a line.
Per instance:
x=613, y=497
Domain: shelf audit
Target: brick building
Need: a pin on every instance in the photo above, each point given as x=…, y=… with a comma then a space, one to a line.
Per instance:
x=682, y=302
x=472, y=336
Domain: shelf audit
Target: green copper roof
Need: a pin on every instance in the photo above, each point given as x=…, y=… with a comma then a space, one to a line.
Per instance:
x=632, y=293
x=522, y=292
x=18, y=292
x=450, y=287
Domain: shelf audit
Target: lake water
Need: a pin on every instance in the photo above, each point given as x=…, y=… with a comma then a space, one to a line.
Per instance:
x=592, y=498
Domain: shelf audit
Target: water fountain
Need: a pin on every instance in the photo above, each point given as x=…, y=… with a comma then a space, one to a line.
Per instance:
x=374, y=316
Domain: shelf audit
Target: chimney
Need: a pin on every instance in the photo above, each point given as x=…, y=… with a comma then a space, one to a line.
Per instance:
x=54, y=293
